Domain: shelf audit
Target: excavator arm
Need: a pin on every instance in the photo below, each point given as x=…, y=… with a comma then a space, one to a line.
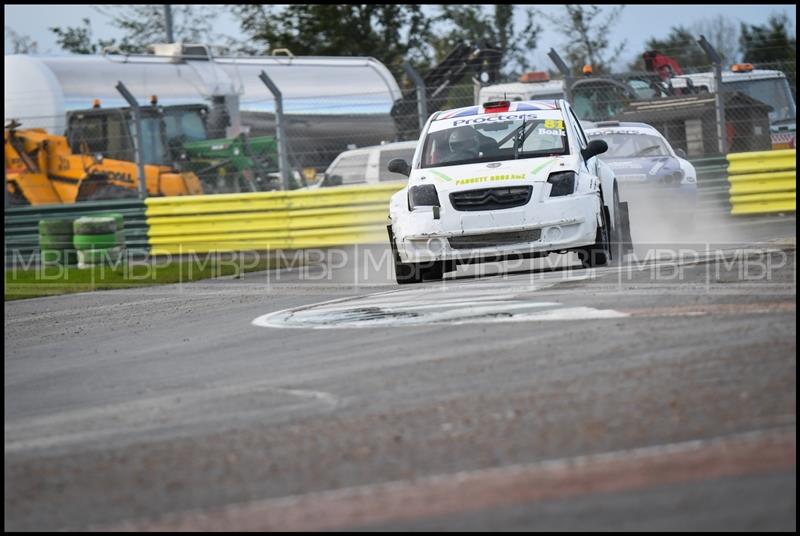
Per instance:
x=27, y=182
x=463, y=60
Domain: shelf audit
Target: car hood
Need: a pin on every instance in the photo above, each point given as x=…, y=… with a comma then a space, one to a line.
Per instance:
x=492, y=174
x=649, y=168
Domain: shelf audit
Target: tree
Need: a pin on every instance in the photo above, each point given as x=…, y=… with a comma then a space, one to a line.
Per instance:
x=78, y=40
x=141, y=25
x=771, y=45
x=389, y=33
x=21, y=44
x=145, y=24
x=589, y=31
x=457, y=23
x=772, y=41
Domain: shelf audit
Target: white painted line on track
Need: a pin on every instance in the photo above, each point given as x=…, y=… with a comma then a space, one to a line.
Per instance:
x=457, y=303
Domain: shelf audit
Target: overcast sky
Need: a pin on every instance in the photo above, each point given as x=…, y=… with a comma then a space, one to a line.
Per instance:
x=637, y=24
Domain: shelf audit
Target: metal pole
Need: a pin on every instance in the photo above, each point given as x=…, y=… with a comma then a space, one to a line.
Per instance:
x=564, y=70
x=280, y=132
x=422, y=97
x=168, y=22
x=719, y=95
x=139, y=152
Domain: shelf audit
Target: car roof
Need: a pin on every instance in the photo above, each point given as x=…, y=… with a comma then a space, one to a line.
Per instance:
x=615, y=124
x=517, y=88
x=730, y=76
x=605, y=126
x=514, y=106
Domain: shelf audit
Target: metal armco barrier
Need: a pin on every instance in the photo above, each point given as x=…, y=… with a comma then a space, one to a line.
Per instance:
x=269, y=220
x=762, y=182
x=713, y=188
x=22, y=224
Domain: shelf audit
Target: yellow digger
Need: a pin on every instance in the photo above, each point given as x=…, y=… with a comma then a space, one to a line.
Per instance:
x=95, y=160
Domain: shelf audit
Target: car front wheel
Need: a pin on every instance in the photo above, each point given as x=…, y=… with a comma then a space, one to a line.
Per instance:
x=413, y=272
x=598, y=254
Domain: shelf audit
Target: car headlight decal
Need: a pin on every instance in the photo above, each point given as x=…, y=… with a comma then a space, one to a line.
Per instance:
x=562, y=182
x=423, y=195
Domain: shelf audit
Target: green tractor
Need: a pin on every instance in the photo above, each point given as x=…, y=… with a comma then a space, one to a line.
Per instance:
x=224, y=165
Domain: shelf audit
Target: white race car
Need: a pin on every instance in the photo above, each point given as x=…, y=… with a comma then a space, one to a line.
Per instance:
x=504, y=180
x=657, y=178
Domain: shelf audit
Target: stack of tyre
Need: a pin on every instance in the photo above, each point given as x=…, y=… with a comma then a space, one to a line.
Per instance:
x=98, y=240
x=55, y=242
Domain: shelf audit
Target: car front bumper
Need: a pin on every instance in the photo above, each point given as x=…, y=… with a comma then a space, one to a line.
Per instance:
x=555, y=224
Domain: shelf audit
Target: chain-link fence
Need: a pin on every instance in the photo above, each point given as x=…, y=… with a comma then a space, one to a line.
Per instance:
x=757, y=103
x=98, y=154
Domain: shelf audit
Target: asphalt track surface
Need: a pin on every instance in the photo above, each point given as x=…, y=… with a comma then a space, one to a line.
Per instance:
x=656, y=395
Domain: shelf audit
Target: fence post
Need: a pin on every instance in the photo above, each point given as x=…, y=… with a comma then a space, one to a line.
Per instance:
x=476, y=90
x=422, y=96
x=280, y=132
x=564, y=70
x=168, y=22
x=719, y=96
x=137, y=122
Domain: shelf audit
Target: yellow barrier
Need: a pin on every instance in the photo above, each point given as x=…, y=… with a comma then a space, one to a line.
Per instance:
x=269, y=220
x=762, y=182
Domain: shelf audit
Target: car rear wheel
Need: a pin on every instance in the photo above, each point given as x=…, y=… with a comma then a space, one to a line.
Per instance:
x=618, y=246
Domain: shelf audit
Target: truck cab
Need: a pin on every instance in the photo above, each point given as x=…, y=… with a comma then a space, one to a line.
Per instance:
x=768, y=86
x=532, y=86
x=110, y=133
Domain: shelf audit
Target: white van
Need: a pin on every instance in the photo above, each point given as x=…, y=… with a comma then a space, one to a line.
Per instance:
x=368, y=165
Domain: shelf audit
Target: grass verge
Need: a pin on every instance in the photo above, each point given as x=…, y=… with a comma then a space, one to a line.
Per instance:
x=52, y=280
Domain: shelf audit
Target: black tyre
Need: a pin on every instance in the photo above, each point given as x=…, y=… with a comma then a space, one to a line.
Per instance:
x=418, y=272
x=598, y=254
x=626, y=228
x=415, y=272
x=618, y=247
x=433, y=271
x=404, y=273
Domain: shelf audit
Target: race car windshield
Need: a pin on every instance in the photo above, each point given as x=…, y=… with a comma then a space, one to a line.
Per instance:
x=622, y=145
x=495, y=141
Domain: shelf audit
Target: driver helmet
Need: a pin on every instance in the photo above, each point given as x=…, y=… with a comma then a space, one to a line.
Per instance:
x=463, y=140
